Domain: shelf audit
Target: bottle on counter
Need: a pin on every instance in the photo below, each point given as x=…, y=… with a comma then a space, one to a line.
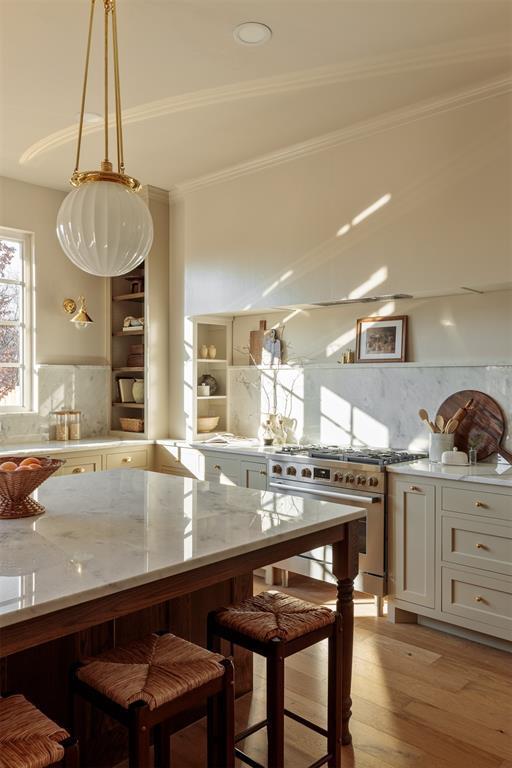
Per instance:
x=268, y=435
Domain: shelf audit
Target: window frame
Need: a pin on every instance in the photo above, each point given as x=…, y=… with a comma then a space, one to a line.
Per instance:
x=25, y=323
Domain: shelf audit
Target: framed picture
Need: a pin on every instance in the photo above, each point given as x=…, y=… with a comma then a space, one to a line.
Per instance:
x=381, y=339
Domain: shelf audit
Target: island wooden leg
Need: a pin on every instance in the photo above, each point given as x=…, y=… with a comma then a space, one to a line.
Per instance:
x=345, y=567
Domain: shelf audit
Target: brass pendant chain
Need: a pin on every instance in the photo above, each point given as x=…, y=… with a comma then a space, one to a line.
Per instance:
x=105, y=173
x=84, y=88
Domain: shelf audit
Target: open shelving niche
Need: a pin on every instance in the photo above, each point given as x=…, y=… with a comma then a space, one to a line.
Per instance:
x=207, y=331
x=151, y=301
x=124, y=304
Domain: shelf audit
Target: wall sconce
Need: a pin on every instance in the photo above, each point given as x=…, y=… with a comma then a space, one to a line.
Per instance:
x=81, y=319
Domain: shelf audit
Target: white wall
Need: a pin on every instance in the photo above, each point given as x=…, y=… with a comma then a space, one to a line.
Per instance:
x=268, y=238
x=34, y=209
x=464, y=329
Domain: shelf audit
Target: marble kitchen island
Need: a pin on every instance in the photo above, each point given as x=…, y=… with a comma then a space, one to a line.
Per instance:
x=119, y=554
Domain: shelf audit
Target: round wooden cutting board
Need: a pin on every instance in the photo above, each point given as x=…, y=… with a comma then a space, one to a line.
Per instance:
x=484, y=425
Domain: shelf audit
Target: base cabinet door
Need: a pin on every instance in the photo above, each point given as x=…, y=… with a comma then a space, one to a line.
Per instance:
x=253, y=474
x=414, y=520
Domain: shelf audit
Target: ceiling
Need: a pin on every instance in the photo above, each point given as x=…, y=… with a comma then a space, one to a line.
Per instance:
x=195, y=102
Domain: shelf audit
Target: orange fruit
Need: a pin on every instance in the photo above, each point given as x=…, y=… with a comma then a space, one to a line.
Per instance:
x=26, y=468
x=8, y=466
x=30, y=460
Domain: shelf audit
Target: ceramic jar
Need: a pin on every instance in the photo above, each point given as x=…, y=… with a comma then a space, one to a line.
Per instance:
x=212, y=351
x=203, y=351
x=438, y=443
x=138, y=390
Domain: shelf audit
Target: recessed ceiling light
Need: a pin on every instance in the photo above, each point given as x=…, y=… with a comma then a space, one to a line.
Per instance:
x=89, y=118
x=252, y=33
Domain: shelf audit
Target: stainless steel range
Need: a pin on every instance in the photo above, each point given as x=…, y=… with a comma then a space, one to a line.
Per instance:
x=345, y=476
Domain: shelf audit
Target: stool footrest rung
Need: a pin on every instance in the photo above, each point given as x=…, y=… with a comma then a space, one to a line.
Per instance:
x=246, y=759
x=250, y=730
x=307, y=723
x=321, y=761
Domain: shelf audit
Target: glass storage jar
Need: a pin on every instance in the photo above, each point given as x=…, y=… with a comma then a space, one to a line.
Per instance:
x=60, y=421
x=74, y=424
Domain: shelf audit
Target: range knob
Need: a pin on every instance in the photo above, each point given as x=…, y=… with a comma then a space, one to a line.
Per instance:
x=291, y=471
x=337, y=478
x=373, y=481
x=349, y=478
x=306, y=472
x=361, y=479
x=277, y=469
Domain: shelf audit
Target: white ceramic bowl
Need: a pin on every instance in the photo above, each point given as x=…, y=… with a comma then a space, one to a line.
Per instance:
x=207, y=423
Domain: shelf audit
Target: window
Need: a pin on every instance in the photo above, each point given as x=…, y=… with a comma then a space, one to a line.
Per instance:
x=15, y=320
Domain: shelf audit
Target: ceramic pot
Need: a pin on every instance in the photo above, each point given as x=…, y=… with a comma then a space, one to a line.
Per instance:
x=212, y=351
x=438, y=443
x=138, y=390
x=203, y=351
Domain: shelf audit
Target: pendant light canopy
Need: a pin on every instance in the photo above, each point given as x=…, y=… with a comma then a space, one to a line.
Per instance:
x=103, y=226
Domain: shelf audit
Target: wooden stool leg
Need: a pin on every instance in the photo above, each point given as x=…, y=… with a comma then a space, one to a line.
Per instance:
x=334, y=694
x=228, y=715
x=139, y=742
x=221, y=722
x=162, y=742
x=275, y=706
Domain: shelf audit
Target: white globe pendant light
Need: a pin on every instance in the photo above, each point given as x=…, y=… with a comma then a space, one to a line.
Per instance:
x=103, y=226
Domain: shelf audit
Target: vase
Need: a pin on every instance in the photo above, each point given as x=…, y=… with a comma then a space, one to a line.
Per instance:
x=203, y=351
x=138, y=390
x=212, y=351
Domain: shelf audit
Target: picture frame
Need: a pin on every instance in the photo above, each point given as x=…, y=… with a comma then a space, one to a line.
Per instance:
x=381, y=339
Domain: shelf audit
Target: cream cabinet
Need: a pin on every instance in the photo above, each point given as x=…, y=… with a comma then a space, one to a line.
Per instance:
x=450, y=553
x=78, y=464
x=253, y=474
x=414, y=521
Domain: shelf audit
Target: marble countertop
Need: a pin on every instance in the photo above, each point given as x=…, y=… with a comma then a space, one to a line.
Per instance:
x=67, y=446
x=117, y=529
x=240, y=446
x=491, y=473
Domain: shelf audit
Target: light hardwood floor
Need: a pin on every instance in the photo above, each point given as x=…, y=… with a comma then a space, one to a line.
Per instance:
x=421, y=698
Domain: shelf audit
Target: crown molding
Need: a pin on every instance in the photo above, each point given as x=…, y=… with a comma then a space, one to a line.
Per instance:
x=384, y=122
x=453, y=53
x=157, y=194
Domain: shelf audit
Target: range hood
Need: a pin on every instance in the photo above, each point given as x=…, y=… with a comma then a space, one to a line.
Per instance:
x=362, y=300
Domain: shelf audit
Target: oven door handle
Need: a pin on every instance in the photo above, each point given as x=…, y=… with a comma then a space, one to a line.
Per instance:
x=328, y=494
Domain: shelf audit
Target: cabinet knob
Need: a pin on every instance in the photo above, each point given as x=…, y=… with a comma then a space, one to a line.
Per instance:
x=479, y=599
x=414, y=488
x=480, y=504
x=127, y=460
x=480, y=546
x=217, y=466
x=263, y=471
x=78, y=470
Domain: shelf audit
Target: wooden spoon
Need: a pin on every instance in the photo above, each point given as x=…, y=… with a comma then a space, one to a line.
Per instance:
x=424, y=417
x=451, y=426
x=440, y=423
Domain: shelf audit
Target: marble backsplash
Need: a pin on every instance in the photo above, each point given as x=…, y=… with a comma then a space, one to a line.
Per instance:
x=85, y=388
x=358, y=405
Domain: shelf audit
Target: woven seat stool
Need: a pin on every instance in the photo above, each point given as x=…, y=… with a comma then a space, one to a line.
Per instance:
x=29, y=739
x=158, y=684
x=276, y=626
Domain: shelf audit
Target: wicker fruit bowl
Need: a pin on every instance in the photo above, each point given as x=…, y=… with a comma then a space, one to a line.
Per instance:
x=16, y=485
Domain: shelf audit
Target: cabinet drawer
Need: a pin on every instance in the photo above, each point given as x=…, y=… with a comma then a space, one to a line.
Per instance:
x=80, y=464
x=481, y=503
x=475, y=596
x=223, y=469
x=128, y=459
x=475, y=542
